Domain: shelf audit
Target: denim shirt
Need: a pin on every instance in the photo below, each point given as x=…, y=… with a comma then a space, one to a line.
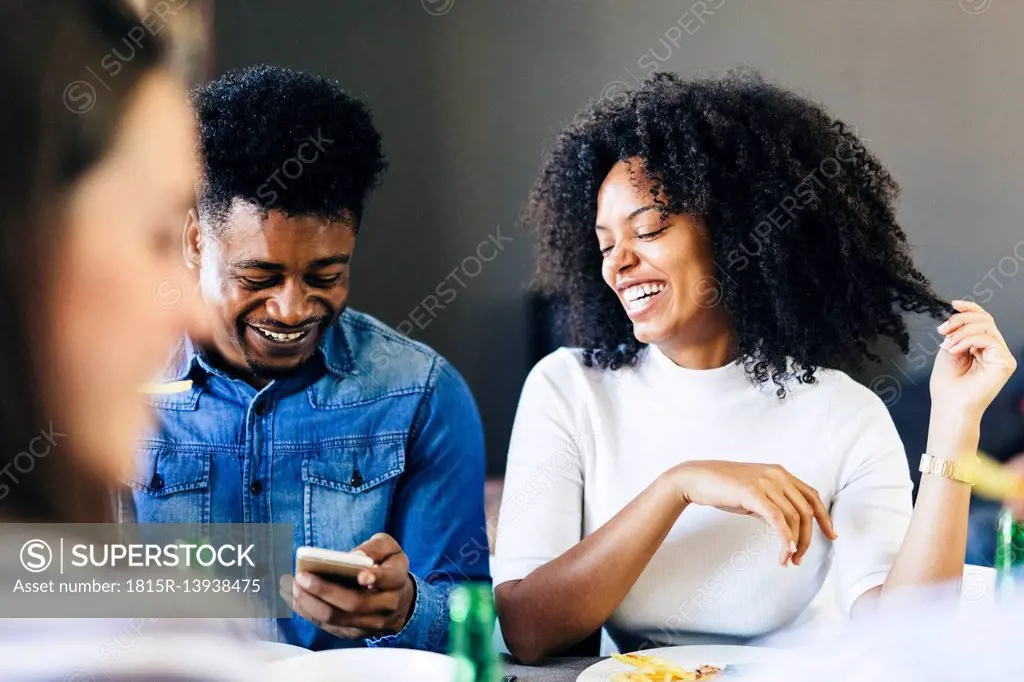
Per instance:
x=377, y=433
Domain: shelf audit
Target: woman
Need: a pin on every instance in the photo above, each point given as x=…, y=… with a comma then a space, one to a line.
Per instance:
x=724, y=249
x=94, y=181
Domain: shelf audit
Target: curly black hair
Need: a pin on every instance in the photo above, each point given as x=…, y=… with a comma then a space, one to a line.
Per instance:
x=285, y=140
x=813, y=265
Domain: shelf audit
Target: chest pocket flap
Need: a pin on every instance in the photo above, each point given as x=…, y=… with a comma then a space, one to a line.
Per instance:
x=354, y=467
x=163, y=469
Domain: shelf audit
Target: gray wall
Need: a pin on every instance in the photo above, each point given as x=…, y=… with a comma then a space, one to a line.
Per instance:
x=468, y=99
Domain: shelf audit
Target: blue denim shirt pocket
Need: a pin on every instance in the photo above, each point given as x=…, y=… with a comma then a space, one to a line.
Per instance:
x=348, y=485
x=172, y=483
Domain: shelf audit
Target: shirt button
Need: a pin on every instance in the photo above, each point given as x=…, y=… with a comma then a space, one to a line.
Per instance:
x=356, y=480
x=261, y=409
x=255, y=487
x=157, y=483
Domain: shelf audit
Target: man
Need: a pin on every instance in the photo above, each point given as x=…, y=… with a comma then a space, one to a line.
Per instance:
x=302, y=411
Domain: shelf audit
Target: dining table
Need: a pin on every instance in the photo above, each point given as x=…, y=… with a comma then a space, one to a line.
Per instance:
x=552, y=670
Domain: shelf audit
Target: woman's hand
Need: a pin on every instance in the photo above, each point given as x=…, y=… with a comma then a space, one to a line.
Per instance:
x=972, y=365
x=973, y=362
x=789, y=505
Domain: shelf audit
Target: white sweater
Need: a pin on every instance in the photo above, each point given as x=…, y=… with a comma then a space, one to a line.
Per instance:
x=587, y=441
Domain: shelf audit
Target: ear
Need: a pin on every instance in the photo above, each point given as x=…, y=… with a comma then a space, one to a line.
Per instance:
x=192, y=239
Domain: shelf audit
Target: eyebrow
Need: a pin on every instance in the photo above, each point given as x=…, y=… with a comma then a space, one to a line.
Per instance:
x=634, y=214
x=336, y=259
x=256, y=264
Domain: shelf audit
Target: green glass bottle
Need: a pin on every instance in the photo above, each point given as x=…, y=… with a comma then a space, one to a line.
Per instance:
x=471, y=634
x=1009, y=549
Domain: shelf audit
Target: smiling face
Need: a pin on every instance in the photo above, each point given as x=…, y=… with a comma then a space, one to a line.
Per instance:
x=273, y=286
x=661, y=267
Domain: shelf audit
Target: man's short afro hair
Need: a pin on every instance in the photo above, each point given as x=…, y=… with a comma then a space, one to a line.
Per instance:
x=285, y=140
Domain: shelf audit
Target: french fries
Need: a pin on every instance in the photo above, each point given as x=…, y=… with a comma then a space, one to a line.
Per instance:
x=657, y=669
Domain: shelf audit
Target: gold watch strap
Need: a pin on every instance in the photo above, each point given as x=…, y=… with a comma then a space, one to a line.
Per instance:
x=946, y=468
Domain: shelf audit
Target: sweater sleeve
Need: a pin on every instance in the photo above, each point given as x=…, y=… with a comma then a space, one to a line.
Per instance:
x=872, y=506
x=541, y=513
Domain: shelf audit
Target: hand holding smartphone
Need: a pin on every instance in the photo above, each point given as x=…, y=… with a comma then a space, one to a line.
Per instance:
x=340, y=567
x=326, y=588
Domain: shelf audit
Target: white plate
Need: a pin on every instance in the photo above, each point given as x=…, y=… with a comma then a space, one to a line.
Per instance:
x=365, y=665
x=278, y=651
x=690, y=657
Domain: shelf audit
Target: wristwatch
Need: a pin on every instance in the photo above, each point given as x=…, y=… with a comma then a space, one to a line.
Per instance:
x=947, y=468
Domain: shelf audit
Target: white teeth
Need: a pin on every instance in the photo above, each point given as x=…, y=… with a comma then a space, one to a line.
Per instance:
x=638, y=291
x=280, y=337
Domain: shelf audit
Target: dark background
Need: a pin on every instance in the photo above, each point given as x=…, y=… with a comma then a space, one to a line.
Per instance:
x=468, y=93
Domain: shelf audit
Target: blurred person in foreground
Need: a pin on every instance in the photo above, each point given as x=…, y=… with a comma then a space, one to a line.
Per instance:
x=91, y=199
x=725, y=249
x=303, y=410
x=929, y=635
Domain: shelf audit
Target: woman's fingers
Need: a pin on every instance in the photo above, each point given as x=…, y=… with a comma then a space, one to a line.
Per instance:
x=793, y=521
x=979, y=342
x=970, y=313
x=764, y=507
x=959, y=320
x=803, y=507
x=968, y=306
x=820, y=511
x=972, y=329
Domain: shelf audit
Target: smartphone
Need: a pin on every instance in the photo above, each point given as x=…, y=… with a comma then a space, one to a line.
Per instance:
x=340, y=567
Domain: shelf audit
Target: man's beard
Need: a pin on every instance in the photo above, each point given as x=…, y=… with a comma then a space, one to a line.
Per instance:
x=271, y=373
